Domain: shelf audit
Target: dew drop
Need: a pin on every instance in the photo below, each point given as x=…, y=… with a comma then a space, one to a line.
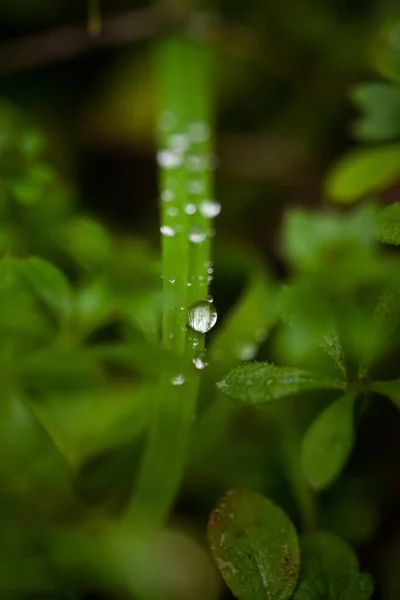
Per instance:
x=201, y=316
x=210, y=298
x=167, y=195
x=172, y=279
x=190, y=209
x=168, y=159
x=189, y=283
x=199, y=362
x=247, y=352
x=197, y=235
x=167, y=230
x=199, y=132
x=178, y=379
x=195, y=187
x=172, y=211
x=210, y=208
x=179, y=142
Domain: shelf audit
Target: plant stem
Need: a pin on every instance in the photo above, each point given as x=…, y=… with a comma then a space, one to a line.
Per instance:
x=185, y=182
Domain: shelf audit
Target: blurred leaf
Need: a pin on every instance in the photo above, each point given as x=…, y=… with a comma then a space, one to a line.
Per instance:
x=391, y=389
x=152, y=359
x=328, y=442
x=246, y=326
x=386, y=50
x=255, y=546
x=389, y=224
x=329, y=570
x=94, y=305
x=257, y=383
x=49, y=284
x=380, y=103
x=87, y=242
x=54, y=368
x=363, y=171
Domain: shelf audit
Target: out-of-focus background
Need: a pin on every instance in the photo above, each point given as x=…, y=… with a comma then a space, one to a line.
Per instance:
x=284, y=69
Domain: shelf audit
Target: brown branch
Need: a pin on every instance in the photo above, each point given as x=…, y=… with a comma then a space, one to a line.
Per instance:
x=125, y=29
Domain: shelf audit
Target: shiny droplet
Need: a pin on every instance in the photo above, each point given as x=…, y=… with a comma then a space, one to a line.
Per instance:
x=172, y=280
x=168, y=159
x=190, y=209
x=202, y=316
x=210, y=208
x=178, y=379
x=167, y=230
x=199, y=361
x=197, y=235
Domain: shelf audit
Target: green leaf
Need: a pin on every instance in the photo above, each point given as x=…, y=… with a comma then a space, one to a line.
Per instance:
x=246, y=326
x=256, y=383
x=386, y=50
x=363, y=171
x=255, y=546
x=389, y=224
x=87, y=242
x=380, y=103
x=329, y=571
x=328, y=442
x=390, y=389
x=49, y=284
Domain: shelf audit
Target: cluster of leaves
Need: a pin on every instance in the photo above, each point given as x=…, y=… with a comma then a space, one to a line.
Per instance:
x=372, y=168
x=256, y=547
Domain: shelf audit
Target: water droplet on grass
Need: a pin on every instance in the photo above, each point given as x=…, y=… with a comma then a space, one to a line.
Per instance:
x=197, y=235
x=172, y=280
x=202, y=316
x=210, y=208
x=190, y=209
x=199, y=362
x=168, y=159
x=167, y=195
x=199, y=132
x=178, y=379
x=167, y=230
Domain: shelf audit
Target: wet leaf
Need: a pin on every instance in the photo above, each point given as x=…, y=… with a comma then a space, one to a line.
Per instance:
x=328, y=442
x=256, y=383
x=364, y=171
x=329, y=570
x=255, y=546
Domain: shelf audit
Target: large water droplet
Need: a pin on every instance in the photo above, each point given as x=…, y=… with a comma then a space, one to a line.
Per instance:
x=210, y=208
x=197, y=235
x=178, y=379
x=167, y=230
x=202, y=316
x=199, y=361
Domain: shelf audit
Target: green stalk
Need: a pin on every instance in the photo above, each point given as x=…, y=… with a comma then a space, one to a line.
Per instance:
x=185, y=188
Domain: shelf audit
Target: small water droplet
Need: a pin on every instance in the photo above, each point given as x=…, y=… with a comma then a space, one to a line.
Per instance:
x=210, y=298
x=195, y=187
x=193, y=163
x=202, y=316
x=179, y=142
x=189, y=283
x=168, y=159
x=190, y=209
x=247, y=351
x=172, y=211
x=210, y=208
x=199, y=361
x=210, y=278
x=178, y=379
x=167, y=230
x=171, y=335
x=172, y=280
x=197, y=235
x=199, y=132
x=210, y=270
x=167, y=195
